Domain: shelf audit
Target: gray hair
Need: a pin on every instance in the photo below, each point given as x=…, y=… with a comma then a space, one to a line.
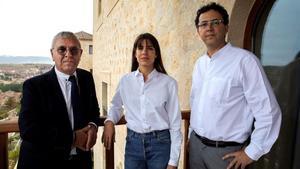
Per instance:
x=65, y=35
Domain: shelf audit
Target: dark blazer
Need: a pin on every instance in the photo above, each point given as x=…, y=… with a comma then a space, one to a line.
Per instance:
x=44, y=124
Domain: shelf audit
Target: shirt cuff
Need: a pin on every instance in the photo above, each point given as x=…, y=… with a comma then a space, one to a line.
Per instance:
x=253, y=152
x=176, y=141
x=189, y=132
x=94, y=124
x=173, y=163
x=106, y=120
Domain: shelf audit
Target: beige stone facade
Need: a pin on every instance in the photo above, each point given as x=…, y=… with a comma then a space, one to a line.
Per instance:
x=116, y=25
x=86, y=41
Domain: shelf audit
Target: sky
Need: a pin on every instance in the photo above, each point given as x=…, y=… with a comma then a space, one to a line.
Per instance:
x=27, y=27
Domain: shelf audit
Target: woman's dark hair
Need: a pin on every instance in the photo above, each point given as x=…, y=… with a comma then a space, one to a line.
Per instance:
x=158, y=64
x=212, y=6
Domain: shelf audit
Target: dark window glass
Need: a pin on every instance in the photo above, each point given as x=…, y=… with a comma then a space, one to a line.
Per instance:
x=104, y=99
x=276, y=38
x=90, y=49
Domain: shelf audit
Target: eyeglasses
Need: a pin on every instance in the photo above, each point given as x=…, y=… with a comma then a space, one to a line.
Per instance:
x=74, y=51
x=213, y=23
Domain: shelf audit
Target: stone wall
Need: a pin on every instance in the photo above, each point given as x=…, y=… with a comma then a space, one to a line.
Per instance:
x=86, y=57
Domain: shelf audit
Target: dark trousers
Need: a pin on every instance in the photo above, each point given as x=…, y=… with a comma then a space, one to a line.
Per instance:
x=79, y=162
x=32, y=158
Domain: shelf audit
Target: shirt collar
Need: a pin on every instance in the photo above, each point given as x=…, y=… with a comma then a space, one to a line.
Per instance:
x=150, y=76
x=62, y=75
x=219, y=52
x=153, y=74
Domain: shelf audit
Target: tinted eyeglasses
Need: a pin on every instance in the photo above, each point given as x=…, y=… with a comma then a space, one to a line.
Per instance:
x=213, y=23
x=74, y=51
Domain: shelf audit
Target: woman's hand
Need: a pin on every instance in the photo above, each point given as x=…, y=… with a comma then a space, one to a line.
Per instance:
x=108, y=136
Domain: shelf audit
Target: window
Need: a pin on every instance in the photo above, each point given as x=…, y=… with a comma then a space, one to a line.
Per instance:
x=90, y=49
x=104, y=98
x=277, y=35
x=275, y=39
x=99, y=8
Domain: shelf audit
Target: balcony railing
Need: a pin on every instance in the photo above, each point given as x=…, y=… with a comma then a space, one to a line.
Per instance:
x=10, y=126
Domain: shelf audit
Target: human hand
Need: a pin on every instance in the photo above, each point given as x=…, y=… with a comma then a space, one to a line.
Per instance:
x=81, y=138
x=108, y=135
x=240, y=159
x=171, y=167
x=91, y=136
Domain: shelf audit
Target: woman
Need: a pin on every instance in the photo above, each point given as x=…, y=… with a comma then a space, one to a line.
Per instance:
x=150, y=100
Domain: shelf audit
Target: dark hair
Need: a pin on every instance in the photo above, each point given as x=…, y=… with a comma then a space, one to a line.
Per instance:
x=158, y=64
x=212, y=6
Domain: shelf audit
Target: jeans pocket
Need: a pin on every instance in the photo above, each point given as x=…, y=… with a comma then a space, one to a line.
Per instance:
x=164, y=137
x=130, y=135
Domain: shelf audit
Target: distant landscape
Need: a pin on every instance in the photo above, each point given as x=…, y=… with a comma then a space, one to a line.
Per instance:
x=12, y=77
x=25, y=60
x=13, y=72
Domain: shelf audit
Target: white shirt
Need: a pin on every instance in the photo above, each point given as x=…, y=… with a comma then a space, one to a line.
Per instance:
x=151, y=105
x=65, y=86
x=230, y=90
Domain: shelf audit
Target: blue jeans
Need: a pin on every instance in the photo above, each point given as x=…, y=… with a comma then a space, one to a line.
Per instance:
x=147, y=150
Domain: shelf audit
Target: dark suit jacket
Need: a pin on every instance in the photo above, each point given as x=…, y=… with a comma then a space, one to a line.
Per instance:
x=44, y=123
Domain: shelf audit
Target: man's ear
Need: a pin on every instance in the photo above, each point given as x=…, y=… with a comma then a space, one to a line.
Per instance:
x=226, y=28
x=51, y=51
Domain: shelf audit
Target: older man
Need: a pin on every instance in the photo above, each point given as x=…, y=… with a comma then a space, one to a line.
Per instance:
x=59, y=112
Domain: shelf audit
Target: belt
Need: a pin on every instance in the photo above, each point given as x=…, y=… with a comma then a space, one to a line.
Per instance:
x=151, y=133
x=212, y=143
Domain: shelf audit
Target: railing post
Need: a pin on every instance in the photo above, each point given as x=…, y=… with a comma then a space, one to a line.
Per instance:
x=3, y=151
x=110, y=159
x=185, y=145
x=186, y=122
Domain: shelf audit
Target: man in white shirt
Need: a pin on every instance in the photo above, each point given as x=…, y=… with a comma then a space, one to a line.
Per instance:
x=230, y=92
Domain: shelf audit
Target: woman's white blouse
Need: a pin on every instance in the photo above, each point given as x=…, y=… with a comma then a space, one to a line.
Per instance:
x=151, y=105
